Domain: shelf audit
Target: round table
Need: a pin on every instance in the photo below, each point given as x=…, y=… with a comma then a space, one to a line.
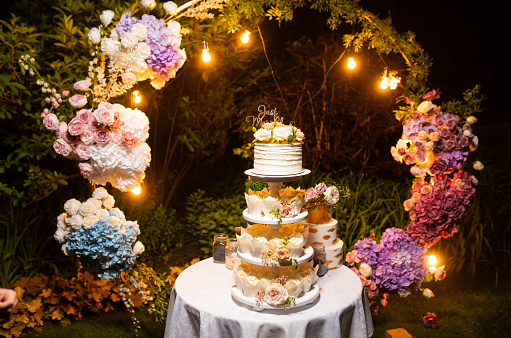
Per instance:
x=201, y=305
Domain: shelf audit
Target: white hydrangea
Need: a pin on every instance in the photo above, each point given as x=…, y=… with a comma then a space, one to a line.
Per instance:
x=134, y=121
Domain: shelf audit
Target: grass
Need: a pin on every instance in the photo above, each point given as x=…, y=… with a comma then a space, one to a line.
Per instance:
x=465, y=306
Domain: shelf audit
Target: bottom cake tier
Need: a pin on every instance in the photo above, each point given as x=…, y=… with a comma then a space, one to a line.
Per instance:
x=275, y=287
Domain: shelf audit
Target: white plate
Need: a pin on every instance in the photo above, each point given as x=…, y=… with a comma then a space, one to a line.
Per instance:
x=277, y=177
x=306, y=256
x=267, y=220
x=305, y=299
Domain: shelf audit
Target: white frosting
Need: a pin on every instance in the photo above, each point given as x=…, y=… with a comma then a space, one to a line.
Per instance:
x=277, y=158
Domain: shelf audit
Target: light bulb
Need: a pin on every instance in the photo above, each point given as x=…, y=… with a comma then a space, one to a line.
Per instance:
x=135, y=93
x=245, y=37
x=352, y=63
x=432, y=260
x=206, y=57
x=384, y=83
x=137, y=190
x=137, y=99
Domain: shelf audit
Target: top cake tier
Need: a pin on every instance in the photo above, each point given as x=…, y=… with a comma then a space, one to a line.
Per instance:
x=278, y=158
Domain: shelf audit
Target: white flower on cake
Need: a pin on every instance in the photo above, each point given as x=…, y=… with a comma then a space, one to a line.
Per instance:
x=244, y=241
x=295, y=246
x=276, y=295
x=332, y=195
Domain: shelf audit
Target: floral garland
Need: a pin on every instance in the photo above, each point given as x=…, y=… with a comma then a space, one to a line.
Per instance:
x=435, y=143
x=99, y=235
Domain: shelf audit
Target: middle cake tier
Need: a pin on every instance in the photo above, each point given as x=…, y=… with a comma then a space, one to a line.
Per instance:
x=270, y=245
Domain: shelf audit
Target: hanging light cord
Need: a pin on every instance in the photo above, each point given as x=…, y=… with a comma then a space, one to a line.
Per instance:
x=272, y=74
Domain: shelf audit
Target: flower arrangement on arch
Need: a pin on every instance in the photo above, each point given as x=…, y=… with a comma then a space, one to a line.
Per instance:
x=99, y=235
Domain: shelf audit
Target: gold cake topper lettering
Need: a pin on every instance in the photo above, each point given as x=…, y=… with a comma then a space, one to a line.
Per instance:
x=260, y=119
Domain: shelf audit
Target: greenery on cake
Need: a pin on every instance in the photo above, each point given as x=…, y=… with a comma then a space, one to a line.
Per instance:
x=277, y=132
x=255, y=186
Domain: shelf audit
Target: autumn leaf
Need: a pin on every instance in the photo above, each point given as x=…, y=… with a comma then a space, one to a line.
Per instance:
x=137, y=300
x=97, y=297
x=70, y=310
x=46, y=293
x=57, y=314
x=115, y=297
x=17, y=330
x=34, y=305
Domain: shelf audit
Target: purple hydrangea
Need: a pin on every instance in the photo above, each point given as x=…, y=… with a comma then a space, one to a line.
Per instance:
x=367, y=251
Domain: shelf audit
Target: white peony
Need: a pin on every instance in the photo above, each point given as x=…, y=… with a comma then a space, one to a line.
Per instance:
x=139, y=31
x=72, y=206
x=61, y=236
x=106, y=17
x=94, y=35
x=148, y=4
x=129, y=41
x=89, y=221
x=97, y=203
x=109, y=46
x=170, y=7
x=143, y=51
x=174, y=27
x=61, y=222
x=281, y=133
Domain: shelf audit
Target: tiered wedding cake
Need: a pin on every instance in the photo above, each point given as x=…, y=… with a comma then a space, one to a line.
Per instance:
x=277, y=271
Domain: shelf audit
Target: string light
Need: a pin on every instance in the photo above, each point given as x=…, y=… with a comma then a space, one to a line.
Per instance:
x=387, y=82
x=137, y=190
x=136, y=97
x=351, y=63
x=206, y=57
x=432, y=260
x=245, y=37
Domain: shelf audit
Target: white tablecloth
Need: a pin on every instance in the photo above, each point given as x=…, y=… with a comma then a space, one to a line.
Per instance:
x=201, y=305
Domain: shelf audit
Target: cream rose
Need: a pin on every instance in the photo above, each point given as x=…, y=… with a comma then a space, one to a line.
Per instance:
x=262, y=135
x=72, y=206
x=428, y=293
x=425, y=107
x=295, y=246
x=471, y=119
x=89, y=221
x=174, y=27
x=281, y=133
x=109, y=202
x=94, y=35
x=75, y=221
x=61, y=236
x=138, y=248
x=87, y=209
x=102, y=213
x=109, y=46
x=294, y=286
x=365, y=270
x=148, y=4
x=276, y=294
x=332, y=195
x=100, y=193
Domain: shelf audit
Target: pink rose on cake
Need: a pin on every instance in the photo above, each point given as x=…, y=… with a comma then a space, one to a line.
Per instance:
x=276, y=295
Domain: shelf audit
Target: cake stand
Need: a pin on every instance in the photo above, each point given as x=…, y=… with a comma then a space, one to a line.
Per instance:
x=274, y=184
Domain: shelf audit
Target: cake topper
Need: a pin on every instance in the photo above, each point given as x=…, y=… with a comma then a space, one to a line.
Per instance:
x=259, y=120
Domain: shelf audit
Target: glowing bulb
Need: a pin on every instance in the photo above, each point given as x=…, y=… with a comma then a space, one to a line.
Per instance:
x=135, y=92
x=137, y=190
x=352, y=63
x=245, y=37
x=432, y=260
x=206, y=57
x=384, y=83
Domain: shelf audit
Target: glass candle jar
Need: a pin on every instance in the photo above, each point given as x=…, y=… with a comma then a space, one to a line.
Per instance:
x=319, y=259
x=219, y=248
x=231, y=253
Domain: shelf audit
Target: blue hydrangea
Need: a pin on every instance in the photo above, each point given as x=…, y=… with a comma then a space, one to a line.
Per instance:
x=106, y=248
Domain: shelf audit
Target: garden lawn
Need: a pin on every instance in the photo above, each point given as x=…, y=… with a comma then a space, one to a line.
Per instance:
x=466, y=307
